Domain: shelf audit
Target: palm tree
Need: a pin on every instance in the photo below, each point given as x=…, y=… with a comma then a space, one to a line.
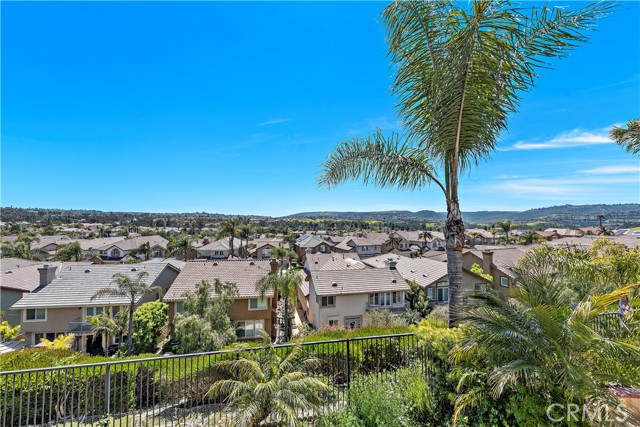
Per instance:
x=180, y=245
x=628, y=138
x=263, y=385
x=425, y=235
x=133, y=289
x=460, y=72
x=69, y=252
x=245, y=232
x=600, y=218
x=105, y=324
x=506, y=227
x=284, y=285
x=229, y=228
x=534, y=339
x=393, y=241
x=279, y=253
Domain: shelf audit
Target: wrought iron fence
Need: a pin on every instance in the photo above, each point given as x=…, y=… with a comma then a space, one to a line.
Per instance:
x=172, y=390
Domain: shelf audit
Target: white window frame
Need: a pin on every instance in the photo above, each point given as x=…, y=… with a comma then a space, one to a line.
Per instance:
x=333, y=320
x=259, y=306
x=432, y=294
x=440, y=287
x=504, y=279
x=86, y=309
x=158, y=253
x=254, y=327
x=35, y=319
x=113, y=251
x=266, y=252
x=326, y=298
x=481, y=287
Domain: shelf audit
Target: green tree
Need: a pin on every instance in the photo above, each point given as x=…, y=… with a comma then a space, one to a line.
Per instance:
x=506, y=227
x=393, y=241
x=425, y=236
x=475, y=268
x=131, y=288
x=149, y=326
x=263, y=386
x=284, y=285
x=229, y=228
x=180, y=245
x=530, y=237
x=628, y=138
x=109, y=326
x=244, y=233
x=535, y=340
x=144, y=249
x=206, y=326
x=460, y=72
x=69, y=252
x=417, y=299
x=8, y=332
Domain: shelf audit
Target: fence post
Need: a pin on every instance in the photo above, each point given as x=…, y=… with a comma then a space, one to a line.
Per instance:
x=348, y=363
x=108, y=389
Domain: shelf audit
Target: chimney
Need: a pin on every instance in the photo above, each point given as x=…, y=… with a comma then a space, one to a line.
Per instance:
x=391, y=263
x=487, y=260
x=274, y=265
x=47, y=274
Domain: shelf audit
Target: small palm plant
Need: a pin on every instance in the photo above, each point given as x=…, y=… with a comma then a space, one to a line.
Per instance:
x=628, y=138
x=264, y=386
x=59, y=342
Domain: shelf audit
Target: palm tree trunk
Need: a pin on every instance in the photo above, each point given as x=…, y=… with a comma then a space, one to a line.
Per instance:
x=286, y=318
x=454, y=237
x=130, y=333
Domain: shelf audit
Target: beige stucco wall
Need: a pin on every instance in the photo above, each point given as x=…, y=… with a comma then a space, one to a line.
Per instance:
x=57, y=321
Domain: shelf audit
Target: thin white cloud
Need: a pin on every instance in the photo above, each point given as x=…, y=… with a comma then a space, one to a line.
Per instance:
x=570, y=139
x=612, y=170
x=274, y=122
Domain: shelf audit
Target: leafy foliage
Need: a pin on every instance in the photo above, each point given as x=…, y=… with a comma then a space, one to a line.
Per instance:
x=206, y=325
x=149, y=326
x=475, y=268
x=384, y=318
x=263, y=386
x=628, y=138
x=59, y=342
x=8, y=332
x=69, y=252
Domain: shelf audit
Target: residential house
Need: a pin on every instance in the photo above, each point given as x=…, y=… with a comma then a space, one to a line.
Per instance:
x=262, y=249
x=62, y=301
x=558, y=233
x=250, y=313
x=430, y=275
x=219, y=249
x=479, y=236
x=323, y=262
x=312, y=244
x=362, y=246
x=18, y=278
x=119, y=250
x=342, y=297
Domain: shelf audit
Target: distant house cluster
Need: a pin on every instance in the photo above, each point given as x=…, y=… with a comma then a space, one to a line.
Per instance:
x=343, y=277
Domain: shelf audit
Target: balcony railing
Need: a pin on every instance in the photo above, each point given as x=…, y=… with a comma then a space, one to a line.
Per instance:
x=395, y=308
x=80, y=326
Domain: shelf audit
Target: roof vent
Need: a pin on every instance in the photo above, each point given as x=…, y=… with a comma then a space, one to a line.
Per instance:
x=215, y=263
x=424, y=275
x=134, y=269
x=334, y=284
x=394, y=281
x=413, y=271
x=252, y=263
x=87, y=271
x=316, y=262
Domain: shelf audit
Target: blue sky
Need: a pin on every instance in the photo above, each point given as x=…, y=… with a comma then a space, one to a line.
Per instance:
x=231, y=108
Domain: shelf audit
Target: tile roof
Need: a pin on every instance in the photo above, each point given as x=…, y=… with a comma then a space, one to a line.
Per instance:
x=10, y=263
x=219, y=245
x=135, y=242
x=91, y=244
x=313, y=241
x=244, y=273
x=423, y=271
x=348, y=282
x=28, y=278
x=74, y=287
x=338, y=261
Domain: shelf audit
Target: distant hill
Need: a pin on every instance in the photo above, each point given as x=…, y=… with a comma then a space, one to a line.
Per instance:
x=556, y=214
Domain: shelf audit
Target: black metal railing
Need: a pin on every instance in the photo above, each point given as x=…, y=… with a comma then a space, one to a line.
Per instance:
x=172, y=390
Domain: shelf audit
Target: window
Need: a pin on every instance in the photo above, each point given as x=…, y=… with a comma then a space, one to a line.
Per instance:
x=504, y=281
x=365, y=248
x=266, y=253
x=115, y=253
x=37, y=338
x=328, y=301
x=179, y=307
x=481, y=287
x=249, y=328
x=218, y=253
x=443, y=294
x=93, y=311
x=385, y=299
x=323, y=248
x=35, y=314
x=333, y=320
x=257, y=304
x=103, y=253
x=158, y=253
x=431, y=294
